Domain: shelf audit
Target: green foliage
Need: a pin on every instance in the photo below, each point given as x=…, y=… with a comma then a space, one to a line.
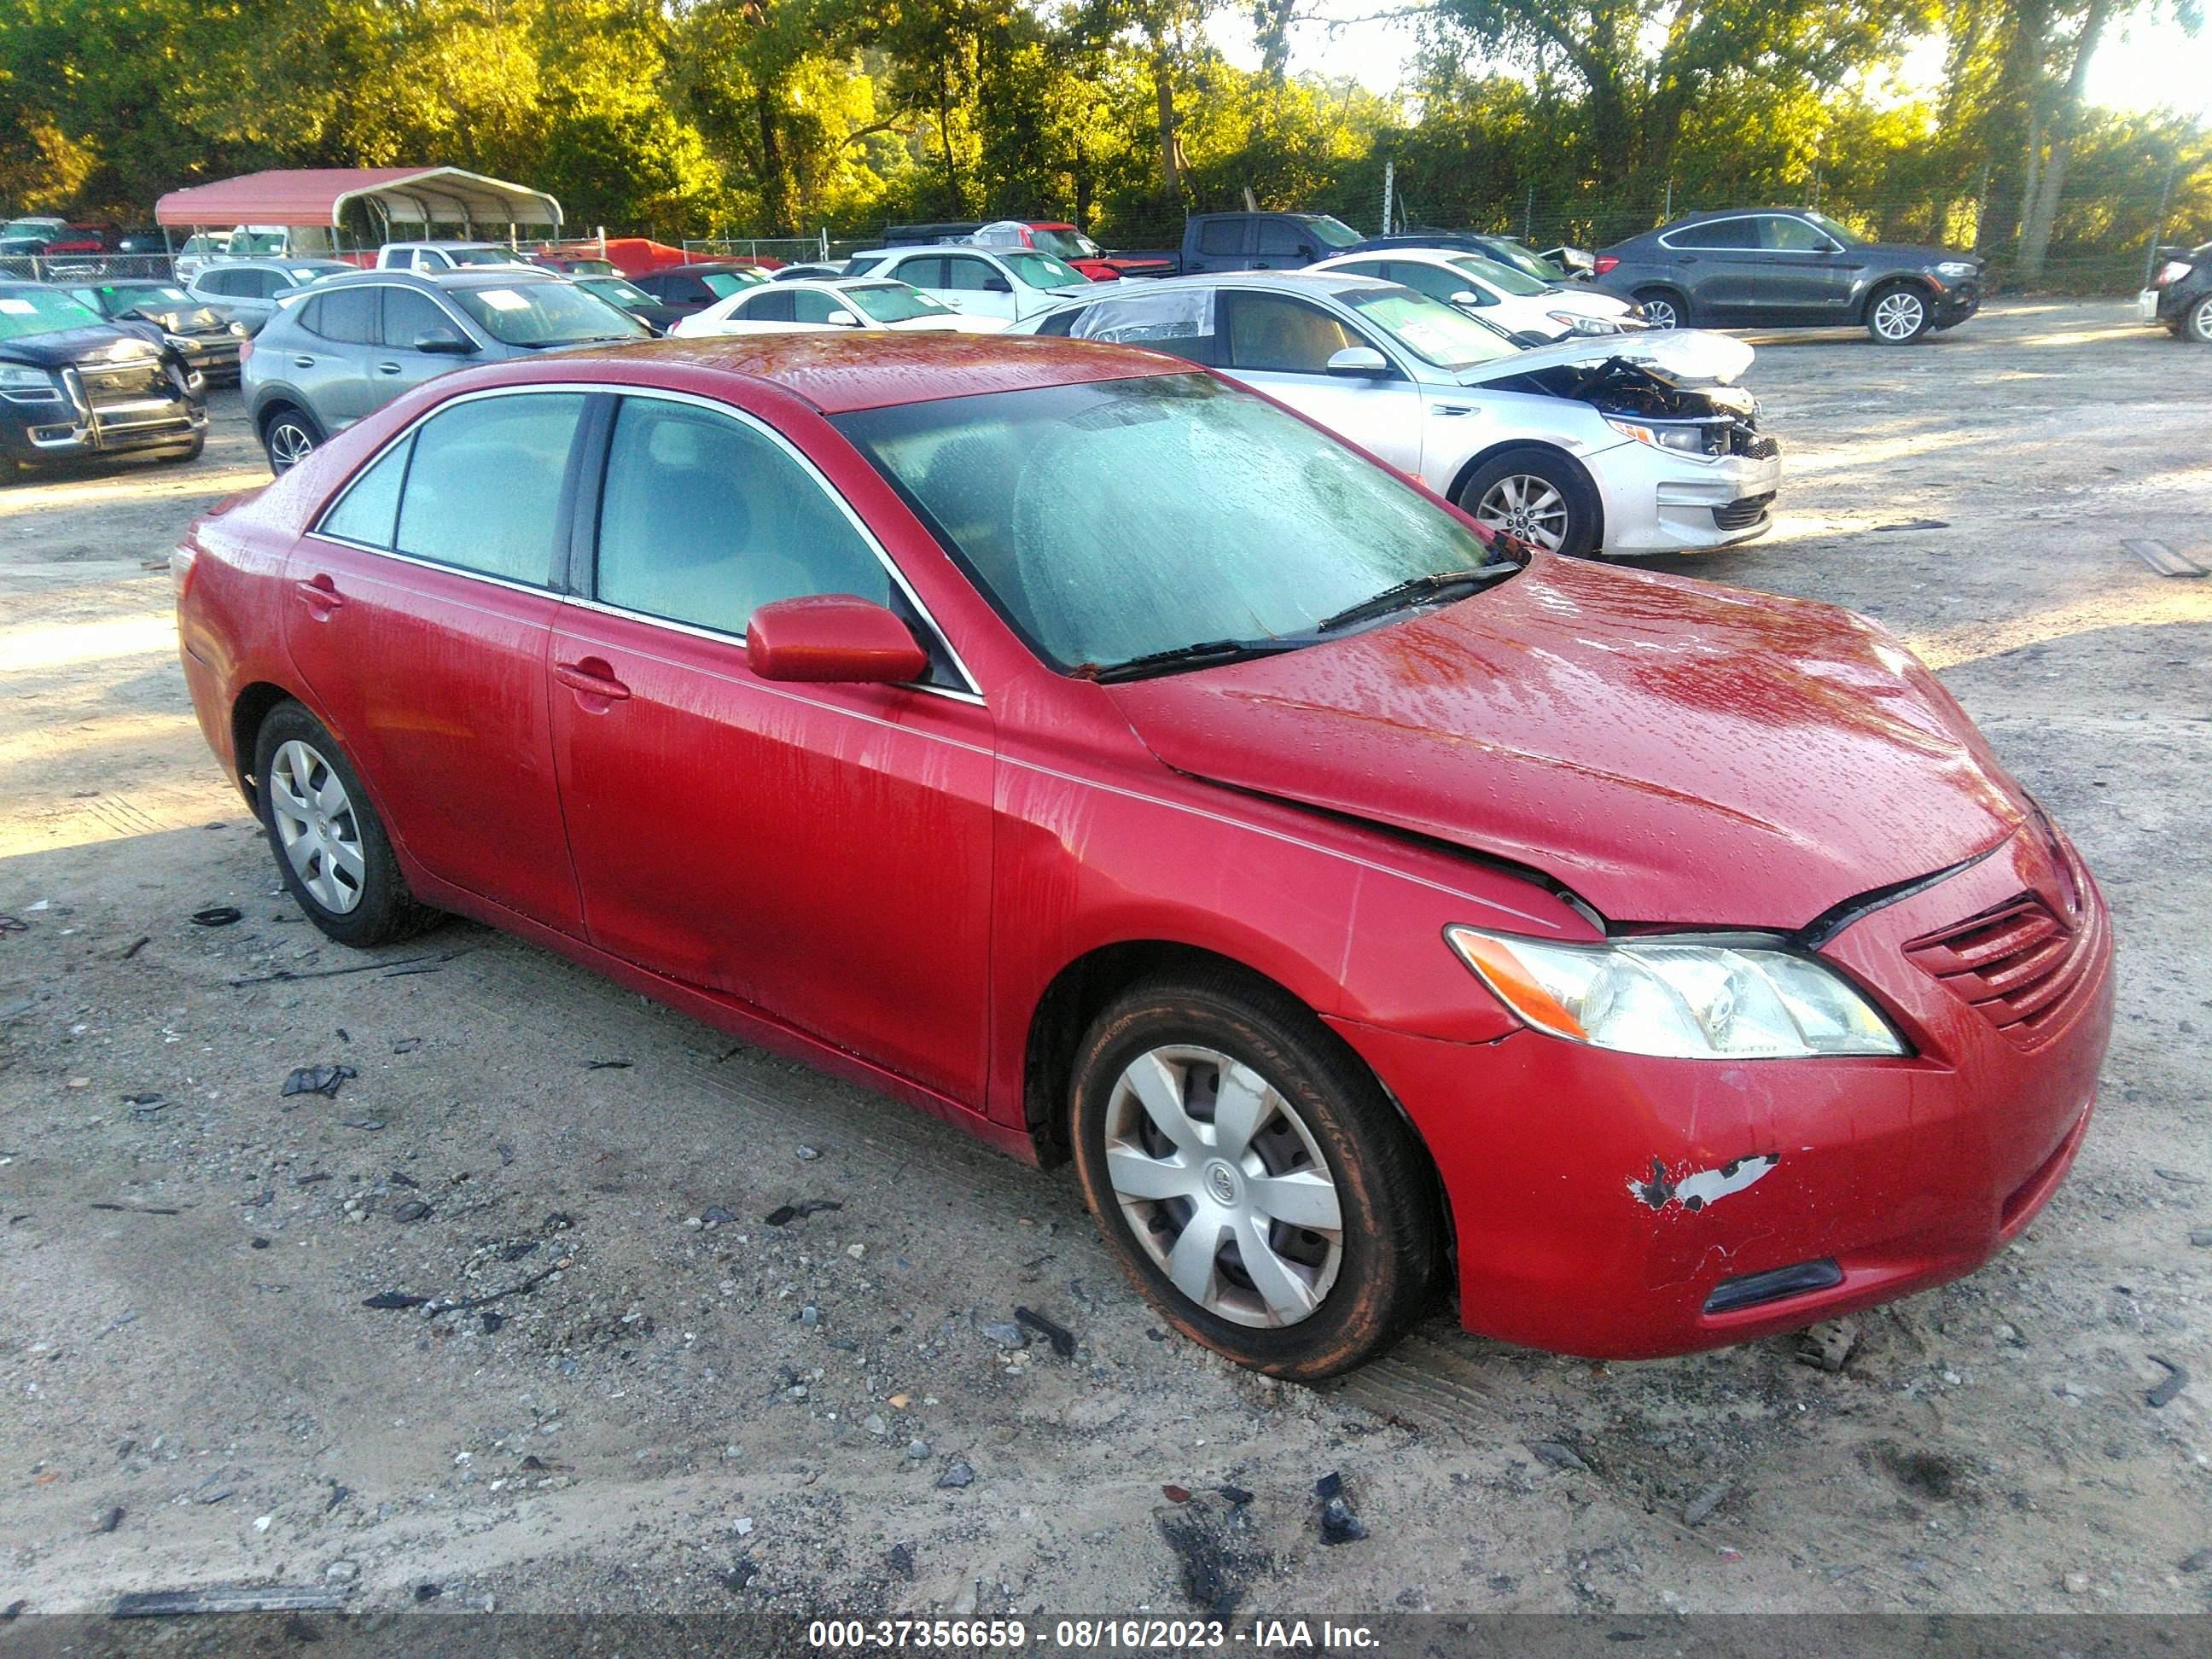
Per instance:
x=1578, y=120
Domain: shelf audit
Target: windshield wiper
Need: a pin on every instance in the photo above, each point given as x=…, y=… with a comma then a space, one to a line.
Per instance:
x=1206, y=653
x=1418, y=591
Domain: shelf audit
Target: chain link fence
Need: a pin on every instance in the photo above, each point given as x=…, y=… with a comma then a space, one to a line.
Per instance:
x=88, y=267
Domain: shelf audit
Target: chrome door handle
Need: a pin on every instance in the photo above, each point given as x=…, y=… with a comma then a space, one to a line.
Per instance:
x=303, y=362
x=387, y=369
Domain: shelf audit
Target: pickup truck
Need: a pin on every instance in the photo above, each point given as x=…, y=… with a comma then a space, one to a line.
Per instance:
x=1247, y=241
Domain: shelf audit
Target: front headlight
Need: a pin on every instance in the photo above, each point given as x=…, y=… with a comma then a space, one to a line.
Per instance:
x=238, y=329
x=1955, y=271
x=180, y=342
x=1680, y=996
x=1582, y=325
x=25, y=384
x=1689, y=439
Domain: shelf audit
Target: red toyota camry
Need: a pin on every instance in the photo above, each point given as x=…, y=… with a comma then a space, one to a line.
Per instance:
x=1086, y=750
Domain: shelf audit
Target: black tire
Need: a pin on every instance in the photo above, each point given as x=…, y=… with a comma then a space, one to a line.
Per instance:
x=2196, y=322
x=1491, y=482
x=279, y=424
x=1390, y=1239
x=384, y=910
x=1898, y=314
x=1672, y=311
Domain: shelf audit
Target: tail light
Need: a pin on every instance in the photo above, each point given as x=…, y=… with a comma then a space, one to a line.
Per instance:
x=2172, y=272
x=1603, y=263
x=245, y=350
x=182, y=558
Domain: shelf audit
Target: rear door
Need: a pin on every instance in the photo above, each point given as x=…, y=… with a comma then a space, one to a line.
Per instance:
x=1281, y=344
x=334, y=368
x=419, y=614
x=1222, y=241
x=820, y=852
x=1722, y=268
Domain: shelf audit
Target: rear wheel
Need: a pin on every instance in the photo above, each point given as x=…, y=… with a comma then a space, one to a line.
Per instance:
x=1538, y=496
x=331, y=851
x=1249, y=1173
x=2198, y=324
x=290, y=436
x=1662, y=308
x=1899, y=315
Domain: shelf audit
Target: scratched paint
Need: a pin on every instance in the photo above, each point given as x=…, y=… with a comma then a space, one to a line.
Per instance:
x=1694, y=1192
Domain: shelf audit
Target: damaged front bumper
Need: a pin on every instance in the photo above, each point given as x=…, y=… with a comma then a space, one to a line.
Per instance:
x=1658, y=502
x=1621, y=1206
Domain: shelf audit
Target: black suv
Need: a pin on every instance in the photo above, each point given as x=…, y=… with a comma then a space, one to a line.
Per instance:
x=1789, y=268
x=74, y=385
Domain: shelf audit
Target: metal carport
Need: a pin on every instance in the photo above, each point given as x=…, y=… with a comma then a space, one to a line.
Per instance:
x=407, y=199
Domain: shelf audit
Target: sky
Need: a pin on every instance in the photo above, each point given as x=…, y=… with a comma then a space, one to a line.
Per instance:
x=2141, y=67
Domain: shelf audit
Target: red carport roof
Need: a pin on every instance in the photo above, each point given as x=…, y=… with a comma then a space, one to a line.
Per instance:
x=316, y=195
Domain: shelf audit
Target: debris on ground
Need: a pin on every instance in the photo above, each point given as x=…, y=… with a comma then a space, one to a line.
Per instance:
x=805, y=1154
x=2201, y=1237
x=369, y=1124
x=1828, y=1344
x=2197, y=1562
x=900, y=1560
x=1338, y=1525
x=395, y=1299
x=1557, y=1455
x=391, y=967
x=323, y=1080
x=784, y=1214
x=135, y=946
x=134, y=1209
x=2175, y=1380
x=413, y=1210
x=429, y=1592
x=228, y=1598
x=957, y=1473
x=217, y=915
x=1005, y=1333
x=1695, y=1512
x=1237, y=1497
x=1176, y=1494
x=1216, y=1571
x=606, y=1065
x=146, y=1106
x=1062, y=1339
x=109, y=1521
x=2179, y=1177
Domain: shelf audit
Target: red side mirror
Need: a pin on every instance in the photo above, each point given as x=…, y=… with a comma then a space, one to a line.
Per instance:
x=832, y=636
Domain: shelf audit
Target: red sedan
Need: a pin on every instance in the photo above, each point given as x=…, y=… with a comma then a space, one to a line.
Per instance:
x=1095, y=755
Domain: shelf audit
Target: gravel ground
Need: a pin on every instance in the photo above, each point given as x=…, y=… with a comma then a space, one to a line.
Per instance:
x=664, y=1402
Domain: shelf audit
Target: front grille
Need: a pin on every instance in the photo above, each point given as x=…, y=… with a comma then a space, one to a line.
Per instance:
x=127, y=383
x=2014, y=962
x=1744, y=512
x=1757, y=446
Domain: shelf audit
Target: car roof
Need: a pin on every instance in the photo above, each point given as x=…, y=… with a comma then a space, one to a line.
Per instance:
x=1329, y=282
x=460, y=276
x=451, y=245
x=839, y=372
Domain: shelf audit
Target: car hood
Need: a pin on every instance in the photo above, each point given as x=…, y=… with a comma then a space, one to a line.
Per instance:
x=99, y=343
x=1912, y=254
x=183, y=319
x=1671, y=750
x=1680, y=357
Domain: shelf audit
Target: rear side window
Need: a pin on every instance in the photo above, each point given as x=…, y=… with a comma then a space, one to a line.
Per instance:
x=367, y=511
x=773, y=307
x=1221, y=236
x=226, y=281
x=483, y=491
x=704, y=520
x=346, y=315
x=408, y=316
x=1788, y=235
x=1719, y=235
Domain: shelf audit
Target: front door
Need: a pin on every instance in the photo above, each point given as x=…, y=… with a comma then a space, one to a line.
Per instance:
x=1281, y=345
x=976, y=287
x=1808, y=279
x=820, y=852
x=408, y=316
x=420, y=617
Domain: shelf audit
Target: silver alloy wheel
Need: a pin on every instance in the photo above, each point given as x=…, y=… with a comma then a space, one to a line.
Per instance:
x=289, y=444
x=1523, y=505
x=2199, y=323
x=1224, y=1185
x=1660, y=313
x=316, y=826
x=1899, y=315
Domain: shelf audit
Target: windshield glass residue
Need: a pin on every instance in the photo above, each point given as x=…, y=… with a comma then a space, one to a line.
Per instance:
x=1042, y=270
x=544, y=314
x=27, y=310
x=1250, y=525
x=1430, y=329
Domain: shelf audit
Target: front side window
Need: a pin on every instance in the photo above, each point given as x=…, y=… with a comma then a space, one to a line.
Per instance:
x=480, y=256
x=1504, y=278
x=971, y=275
x=1433, y=281
x=1280, y=236
x=773, y=306
x=1331, y=233
x=369, y=509
x=408, y=316
x=484, y=489
x=1843, y=234
x=704, y=520
x=812, y=305
x=1787, y=235
x=1274, y=333
x=1430, y=330
x=227, y=281
x=1066, y=244
x=723, y=283
x=539, y=315
x=1251, y=524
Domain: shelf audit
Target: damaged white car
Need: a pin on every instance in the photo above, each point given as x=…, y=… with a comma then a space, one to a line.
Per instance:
x=1621, y=444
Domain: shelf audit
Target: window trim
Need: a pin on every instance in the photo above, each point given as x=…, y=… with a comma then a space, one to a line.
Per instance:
x=1707, y=224
x=584, y=586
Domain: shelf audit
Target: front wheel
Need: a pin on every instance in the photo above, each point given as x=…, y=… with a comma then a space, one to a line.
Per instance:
x=331, y=850
x=1899, y=316
x=1250, y=1175
x=1538, y=496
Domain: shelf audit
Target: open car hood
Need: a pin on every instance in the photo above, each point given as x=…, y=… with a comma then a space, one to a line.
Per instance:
x=1680, y=357
x=1671, y=750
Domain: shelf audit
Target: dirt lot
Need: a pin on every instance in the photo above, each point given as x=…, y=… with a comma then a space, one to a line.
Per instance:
x=686, y=1416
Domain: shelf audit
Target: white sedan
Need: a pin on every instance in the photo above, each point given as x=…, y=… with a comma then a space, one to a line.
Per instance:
x=1011, y=283
x=812, y=305
x=1627, y=443
x=1514, y=300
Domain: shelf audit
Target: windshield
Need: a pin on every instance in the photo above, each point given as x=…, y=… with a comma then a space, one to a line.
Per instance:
x=480, y=256
x=1065, y=244
x=1430, y=329
x=615, y=289
x=1511, y=253
x=1845, y=235
x=308, y=273
x=41, y=311
x=1504, y=278
x=125, y=295
x=1251, y=524
x=893, y=302
x=246, y=243
x=544, y=314
x=1043, y=271
x=1333, y=233
x=724, y=284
